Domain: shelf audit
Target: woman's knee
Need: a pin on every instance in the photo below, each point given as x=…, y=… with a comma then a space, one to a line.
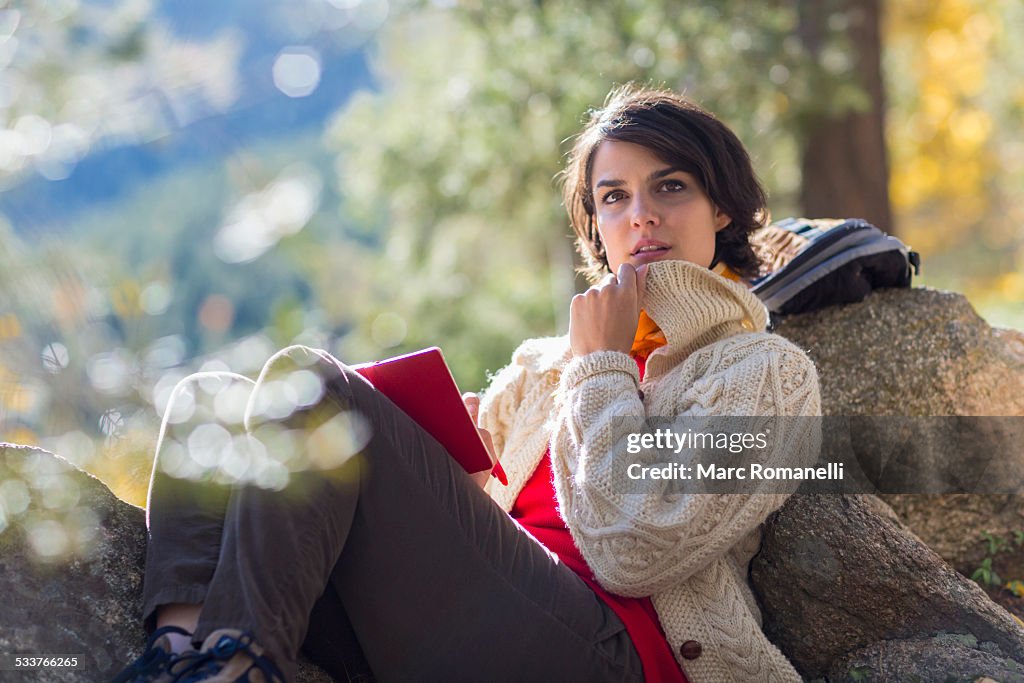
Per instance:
x=200, y=428
x=204, y=398
x=295, y=381
x=209, y=395
x=298, y=414
x=304, y=412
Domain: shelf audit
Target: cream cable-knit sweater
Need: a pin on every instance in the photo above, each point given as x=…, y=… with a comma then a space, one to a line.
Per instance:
x=690, y=553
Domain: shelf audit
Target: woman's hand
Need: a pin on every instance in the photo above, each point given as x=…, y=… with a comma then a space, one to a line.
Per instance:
x=472, y=403
x=606, y=315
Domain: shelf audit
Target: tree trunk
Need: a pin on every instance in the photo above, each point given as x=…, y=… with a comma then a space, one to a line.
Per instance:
x=844, y=161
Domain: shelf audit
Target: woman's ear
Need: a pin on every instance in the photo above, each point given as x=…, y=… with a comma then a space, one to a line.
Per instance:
x=722, y=220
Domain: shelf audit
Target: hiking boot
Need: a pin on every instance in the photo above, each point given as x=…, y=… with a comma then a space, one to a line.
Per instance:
x=229, y=655
x=156, y=662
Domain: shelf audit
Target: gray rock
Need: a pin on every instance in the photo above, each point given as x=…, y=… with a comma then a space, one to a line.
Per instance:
x=834, y=576
x=87, y=605
x=71, y=565
x=944, y=657
x=926, y=352
x=864, y=594
x=952, y=526
x=911, y=352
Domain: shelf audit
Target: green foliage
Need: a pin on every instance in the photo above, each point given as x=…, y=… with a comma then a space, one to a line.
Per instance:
x=451, y=164
x=995, y=544
x=985, y=575
x=85, y=342
x=74, y=74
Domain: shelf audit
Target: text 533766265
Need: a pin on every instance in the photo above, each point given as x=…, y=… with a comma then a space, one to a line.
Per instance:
x=36, y=662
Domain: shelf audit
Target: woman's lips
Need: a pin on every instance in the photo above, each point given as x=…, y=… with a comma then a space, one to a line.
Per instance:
x=649, y=256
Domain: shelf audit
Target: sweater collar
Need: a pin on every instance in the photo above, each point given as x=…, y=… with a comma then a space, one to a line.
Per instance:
x=695, y=307
x=692, y=305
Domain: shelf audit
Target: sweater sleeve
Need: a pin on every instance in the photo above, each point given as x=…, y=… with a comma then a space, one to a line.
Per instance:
x=641, y=544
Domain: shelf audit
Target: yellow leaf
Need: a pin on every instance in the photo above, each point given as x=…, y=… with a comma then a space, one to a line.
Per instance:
x=1017, y=588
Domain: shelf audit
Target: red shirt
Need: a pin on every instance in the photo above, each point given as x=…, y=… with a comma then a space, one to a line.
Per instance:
x=535, y=509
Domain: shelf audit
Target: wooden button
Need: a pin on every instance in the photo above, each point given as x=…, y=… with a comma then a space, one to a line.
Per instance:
x=691, y=649
x=747, y=324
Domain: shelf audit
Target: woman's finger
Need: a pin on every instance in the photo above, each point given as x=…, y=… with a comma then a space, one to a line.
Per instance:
x=641, y=281
x=472, y=403
x=627, y=275
x=485, y=436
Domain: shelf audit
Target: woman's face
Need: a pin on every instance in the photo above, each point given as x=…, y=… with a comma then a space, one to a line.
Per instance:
x=648, y=211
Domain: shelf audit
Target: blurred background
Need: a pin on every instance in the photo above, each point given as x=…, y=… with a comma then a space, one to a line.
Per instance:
x=190, y=185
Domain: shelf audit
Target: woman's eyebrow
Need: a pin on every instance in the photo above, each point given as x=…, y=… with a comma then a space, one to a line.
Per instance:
x=615, y=182
x=663, y=172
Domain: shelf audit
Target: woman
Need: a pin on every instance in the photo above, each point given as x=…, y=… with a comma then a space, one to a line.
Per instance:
x=397, y=556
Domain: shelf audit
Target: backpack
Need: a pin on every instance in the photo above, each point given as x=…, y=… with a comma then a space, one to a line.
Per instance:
x=815, y=263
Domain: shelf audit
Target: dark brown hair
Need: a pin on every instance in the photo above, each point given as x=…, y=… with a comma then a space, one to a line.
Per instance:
x=684, y=135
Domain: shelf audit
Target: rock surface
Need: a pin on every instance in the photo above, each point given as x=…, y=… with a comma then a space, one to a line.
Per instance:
x=911, y=352
x=834, y=576
x=944, y=657
x=926, y=352
x=86, y=606
x=71, y=565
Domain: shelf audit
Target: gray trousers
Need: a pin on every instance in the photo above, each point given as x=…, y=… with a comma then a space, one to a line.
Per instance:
x=391, y=560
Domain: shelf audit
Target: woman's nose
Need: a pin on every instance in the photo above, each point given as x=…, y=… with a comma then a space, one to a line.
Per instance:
x=644, y=213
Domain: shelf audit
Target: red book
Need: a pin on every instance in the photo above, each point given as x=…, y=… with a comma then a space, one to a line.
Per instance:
x=421, y=384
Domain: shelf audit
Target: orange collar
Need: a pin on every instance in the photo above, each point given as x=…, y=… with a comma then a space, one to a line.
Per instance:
x=648, y=336
x=727, y=272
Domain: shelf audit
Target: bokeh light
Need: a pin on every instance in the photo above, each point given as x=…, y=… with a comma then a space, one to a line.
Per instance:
x=55, y=357
x=263, y=218
x=388, y=330
x=297, y=71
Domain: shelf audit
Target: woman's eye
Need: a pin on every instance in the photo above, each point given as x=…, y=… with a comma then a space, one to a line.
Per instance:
x=674, y=185
x=612, y=197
